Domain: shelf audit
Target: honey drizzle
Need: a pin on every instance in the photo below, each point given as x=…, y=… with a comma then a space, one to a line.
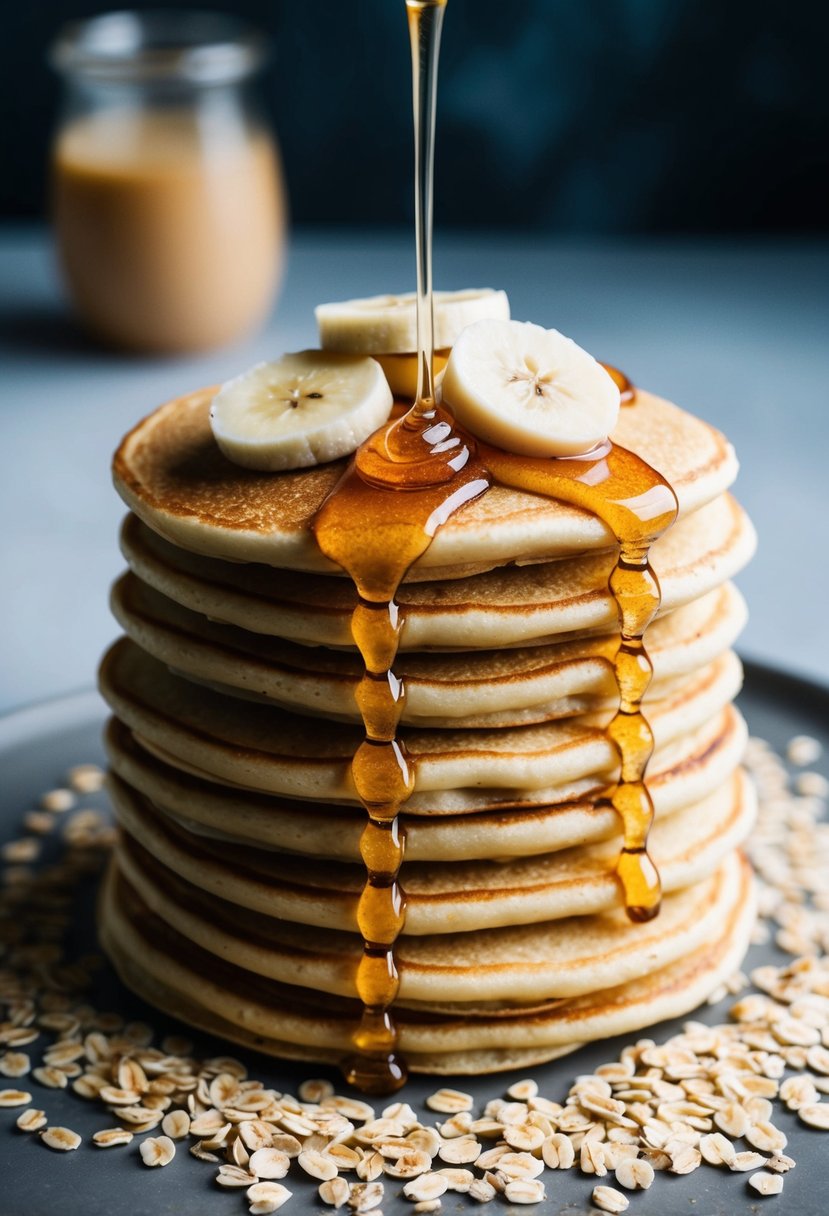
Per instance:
x=637, y=504
x=375, y=529
x=376, y=533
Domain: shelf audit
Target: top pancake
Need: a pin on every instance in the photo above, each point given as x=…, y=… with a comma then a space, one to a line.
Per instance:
x=171, y=473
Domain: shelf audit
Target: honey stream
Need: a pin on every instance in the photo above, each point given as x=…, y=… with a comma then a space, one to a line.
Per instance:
x=406, y=481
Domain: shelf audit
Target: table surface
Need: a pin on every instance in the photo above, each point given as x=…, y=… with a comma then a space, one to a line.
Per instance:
x=737, y=333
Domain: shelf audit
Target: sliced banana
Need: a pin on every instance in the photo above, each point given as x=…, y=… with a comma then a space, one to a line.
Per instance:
x=300, y=410
x=529, y=390
x=387, y=325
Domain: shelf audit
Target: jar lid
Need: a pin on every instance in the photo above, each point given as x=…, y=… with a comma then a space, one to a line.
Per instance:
x=164, y=45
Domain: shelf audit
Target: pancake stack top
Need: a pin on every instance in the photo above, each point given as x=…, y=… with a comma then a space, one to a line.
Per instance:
x=247, y=889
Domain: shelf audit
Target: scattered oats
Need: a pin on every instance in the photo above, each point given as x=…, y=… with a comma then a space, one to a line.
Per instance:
x=716, y=1149
x=207, y=1123
x=343, y=1156
x=815, y=1114
x=112, y=1136
x=366, y=1196
x=61, y=800
x=460, y=1151
x=427, y=1139
x=52, y=1077
x=520, y=1165
x=428, y=1205
x=426, y=1186
x=315, y=1089
x=196, y=1150
x=457, y=1125
x=557, y=1152
x=449, y=1101
x=371, y=1167
x=39, y=822
x=352, y=1108
x=765, y=1183
x=522, y=1091
x=271, y=1163
x=334, y=1191
x=496, y=1180
x=803, y=750
x=684, y=1158
x=284, y=1141
x=157, y=1150
x=525, y=1190
x=592, y=1158
x=817, y=1058
x=21, y=851
x=780, y=1163
x=766, y=1137
x=31, y=1120
x=741, y=1162
x=15, y=1064
x=234, y=1176
x=634, y=1174
x=733, y=1119
x=490, y=1159
x=86, y=778
x=14, y=1097
x=62, y=1139
x=138, y=1116
x=609, y=1199
x=457, y=1180
x=315, y=1163
x=267, y=1197
x=409, y=1164
x=176, y=1124
x=482, y=1191
x=526, y=1137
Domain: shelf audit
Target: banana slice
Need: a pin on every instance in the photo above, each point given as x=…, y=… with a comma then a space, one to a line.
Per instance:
x=529, y=390
x=300, y=410
x=387, y=325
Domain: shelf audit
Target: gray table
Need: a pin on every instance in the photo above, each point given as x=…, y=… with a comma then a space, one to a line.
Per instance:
x=737, y=333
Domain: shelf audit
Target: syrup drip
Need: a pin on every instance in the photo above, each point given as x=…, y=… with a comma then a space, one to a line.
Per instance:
x=376, y=533
x=375, y=528
x=638, y=505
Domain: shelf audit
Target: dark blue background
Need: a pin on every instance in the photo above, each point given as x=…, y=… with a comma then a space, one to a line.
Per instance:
x=562, y=115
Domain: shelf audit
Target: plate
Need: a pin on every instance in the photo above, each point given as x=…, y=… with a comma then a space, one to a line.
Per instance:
x=39, y=744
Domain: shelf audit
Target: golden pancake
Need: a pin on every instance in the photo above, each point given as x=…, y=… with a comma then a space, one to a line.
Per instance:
x=507, y=607
x=440, y=898
x=289, y=1021
x=264, y=748
x=331, y=831
x=478, y=688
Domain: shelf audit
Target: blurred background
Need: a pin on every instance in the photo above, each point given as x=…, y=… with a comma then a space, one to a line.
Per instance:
x=648, y=176
x=612, y=116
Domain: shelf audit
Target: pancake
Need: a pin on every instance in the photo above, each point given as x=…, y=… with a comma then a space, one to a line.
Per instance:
x=481, y=688
x=171, y=473
x=440, y=898
x=333, y=832
x=508, y=607
x=264, y=748
x=173, y=973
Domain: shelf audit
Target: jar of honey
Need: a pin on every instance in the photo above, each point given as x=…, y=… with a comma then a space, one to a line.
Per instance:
x=167, y=190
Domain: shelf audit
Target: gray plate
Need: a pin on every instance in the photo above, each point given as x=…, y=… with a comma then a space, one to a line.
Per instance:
x=38, y=745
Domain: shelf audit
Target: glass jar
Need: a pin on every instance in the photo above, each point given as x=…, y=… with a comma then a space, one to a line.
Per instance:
x=167, y=188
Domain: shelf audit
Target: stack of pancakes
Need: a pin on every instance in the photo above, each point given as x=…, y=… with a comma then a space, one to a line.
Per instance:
x=233, y=895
